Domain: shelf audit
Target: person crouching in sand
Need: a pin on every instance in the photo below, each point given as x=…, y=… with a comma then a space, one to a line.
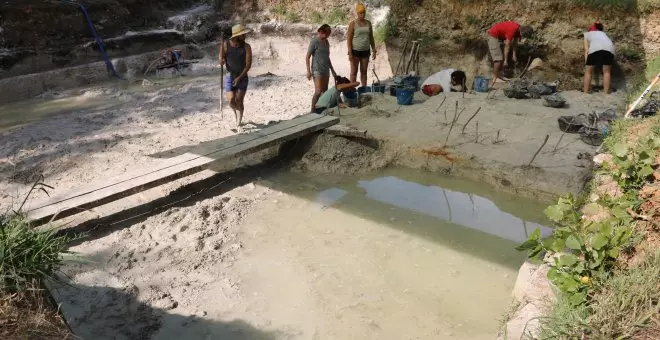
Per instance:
x=445, y=81
x=331, y=98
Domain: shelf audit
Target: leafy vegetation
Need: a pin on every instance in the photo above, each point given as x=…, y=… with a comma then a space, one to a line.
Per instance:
x=594, y=245
x=623, y=306
x=316, y=17
x=27, y=256
x=602, y=296
x=292, y=17
x=338, y=16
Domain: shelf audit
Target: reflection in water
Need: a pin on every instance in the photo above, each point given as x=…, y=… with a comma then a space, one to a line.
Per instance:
x=467, y=210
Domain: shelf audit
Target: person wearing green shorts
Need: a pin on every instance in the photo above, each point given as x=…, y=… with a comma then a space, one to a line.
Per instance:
x=320, y=66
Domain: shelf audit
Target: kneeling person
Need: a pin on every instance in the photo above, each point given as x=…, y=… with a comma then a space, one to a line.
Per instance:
x=330, y=98
x=444, y=81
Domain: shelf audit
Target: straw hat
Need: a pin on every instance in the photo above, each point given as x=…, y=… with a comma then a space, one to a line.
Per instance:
x=238, y=30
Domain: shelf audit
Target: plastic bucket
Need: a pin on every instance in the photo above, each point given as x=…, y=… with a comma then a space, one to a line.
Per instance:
x=481, y=83
x=392, y=90
x=411, y=81
x=405, y=95
x=351, y=98
x=364, y=89
x=377, y=88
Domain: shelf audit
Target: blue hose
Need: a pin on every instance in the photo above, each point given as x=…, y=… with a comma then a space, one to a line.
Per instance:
x=99, y=42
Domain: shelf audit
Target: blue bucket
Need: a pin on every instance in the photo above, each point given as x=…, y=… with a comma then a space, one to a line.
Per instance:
x=411, y=81
x=351, y=98
x=481, y=83
x=376, y=88
x=364, y=89
x=405, y=95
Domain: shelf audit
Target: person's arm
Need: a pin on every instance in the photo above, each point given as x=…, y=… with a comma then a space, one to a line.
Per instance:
x=332, y=69
x=248, y=64
x=349, y=39
x=372, y=40
x=222, y=53
x=344, y=87
x=515, y=49
x=507, y=49
x=586, y=49
x=308, y=58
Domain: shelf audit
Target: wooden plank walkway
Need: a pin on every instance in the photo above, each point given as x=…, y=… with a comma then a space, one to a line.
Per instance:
x=75, y=201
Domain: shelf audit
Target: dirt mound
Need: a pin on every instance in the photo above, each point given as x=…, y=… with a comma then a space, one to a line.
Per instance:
x=343, y=155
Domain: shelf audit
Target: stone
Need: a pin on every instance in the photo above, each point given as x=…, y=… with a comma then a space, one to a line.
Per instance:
x=532, y=285
x=524, y=321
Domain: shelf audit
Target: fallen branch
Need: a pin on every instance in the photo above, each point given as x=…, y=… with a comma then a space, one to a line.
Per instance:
x=559, y=141
x=468, y=121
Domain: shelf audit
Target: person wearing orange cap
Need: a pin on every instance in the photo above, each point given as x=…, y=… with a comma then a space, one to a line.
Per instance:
x=361, y=44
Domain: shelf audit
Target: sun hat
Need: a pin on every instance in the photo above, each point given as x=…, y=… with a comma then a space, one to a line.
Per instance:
x=238, y=30
x=359, y=8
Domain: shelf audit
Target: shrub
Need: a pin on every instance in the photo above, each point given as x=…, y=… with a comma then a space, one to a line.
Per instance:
x=27, y=256
x=292, y=17
x=316, y=17
x=338, y=16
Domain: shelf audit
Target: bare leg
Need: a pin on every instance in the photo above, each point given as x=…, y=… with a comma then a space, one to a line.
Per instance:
x=231, y=98
x=364, y=70
x=497, y=67
x=240, y=95
x=587, y=78
x=320, y=86
x=607, y=78
x=354, y=68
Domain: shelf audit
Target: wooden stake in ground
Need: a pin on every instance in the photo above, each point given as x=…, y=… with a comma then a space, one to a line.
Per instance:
x=477, y=131
x=559, y=141
x=468, y=121
x=451, y=127
x=539, y=150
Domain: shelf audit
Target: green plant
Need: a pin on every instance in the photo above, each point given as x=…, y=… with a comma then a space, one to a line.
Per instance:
x=280, y=9
x=27, y=256
x=338, y=16
x=292, y=17
x=623, y=307
x=316, y=17
x=472, y=20
x=634, y=166
x=630, y=54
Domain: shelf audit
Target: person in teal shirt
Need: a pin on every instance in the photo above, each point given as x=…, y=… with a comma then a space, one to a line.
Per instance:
x=330, y=98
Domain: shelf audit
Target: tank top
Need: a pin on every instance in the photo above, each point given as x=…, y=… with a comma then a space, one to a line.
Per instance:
x=235, y=59
x=361, y=37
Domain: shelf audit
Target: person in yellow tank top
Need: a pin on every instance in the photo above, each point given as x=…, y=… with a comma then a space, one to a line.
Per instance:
x=361, y=44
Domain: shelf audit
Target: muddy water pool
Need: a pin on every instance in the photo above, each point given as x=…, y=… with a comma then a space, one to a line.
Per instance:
x=397, y=254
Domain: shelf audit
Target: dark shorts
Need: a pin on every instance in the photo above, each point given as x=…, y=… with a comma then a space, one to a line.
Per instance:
x=319, y=110
x=361, y=54
x=241, y=86
x=599, y=58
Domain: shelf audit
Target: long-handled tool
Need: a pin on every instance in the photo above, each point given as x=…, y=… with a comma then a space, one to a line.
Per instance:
x=222, y=77
x=648, y=89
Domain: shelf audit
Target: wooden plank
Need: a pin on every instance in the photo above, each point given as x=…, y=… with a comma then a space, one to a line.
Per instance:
x=174, y=168
x=346, y=131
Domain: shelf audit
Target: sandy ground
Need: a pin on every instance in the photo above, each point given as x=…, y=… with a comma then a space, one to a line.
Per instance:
x=172, y=273
x=496, y=145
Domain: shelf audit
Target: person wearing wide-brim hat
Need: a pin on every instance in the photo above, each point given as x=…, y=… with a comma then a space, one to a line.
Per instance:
x=236, y=55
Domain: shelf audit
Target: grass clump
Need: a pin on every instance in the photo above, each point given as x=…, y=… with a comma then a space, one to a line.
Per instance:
x=338, y=16
x=625, y=306
x=292, y=17
x=27, y=256
x=316, y=17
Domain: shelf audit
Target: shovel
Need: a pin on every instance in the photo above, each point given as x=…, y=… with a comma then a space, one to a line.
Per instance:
x=648, y=89
x=222, y=78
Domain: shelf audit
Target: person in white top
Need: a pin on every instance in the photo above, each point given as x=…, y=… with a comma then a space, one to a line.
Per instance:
x=444, y=81
x=598, y=51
